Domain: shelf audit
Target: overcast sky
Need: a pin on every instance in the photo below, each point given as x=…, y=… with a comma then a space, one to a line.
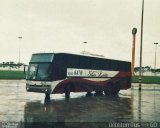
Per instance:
x=63, y=25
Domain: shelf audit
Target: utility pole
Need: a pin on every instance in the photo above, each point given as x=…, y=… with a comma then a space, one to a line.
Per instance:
x=140, y=72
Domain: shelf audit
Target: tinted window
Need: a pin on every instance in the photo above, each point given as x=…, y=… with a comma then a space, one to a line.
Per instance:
x=42, y=58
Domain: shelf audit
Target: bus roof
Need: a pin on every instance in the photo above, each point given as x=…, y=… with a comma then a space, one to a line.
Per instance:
x=86, y=54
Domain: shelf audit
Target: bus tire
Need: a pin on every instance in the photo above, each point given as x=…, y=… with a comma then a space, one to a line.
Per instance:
x=108, y=89
x=112, y=89
x=89, y=94
x=47, y=96
x=67, y=91
x=116, y=89
x=98, y=93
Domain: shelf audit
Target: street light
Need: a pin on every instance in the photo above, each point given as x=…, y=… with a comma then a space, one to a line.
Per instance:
x=155, y=57
x=84, y=46
x=19, y=54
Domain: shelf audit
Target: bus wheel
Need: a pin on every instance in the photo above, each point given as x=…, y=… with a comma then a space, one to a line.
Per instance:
x=112, y=90
x=108, y=89
x=67, y=91
x=89, y=94
x=116, y=89
x=98, y=93
x=47, y=96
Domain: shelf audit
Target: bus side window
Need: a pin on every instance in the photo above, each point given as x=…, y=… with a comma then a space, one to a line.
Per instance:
x=106, y=64
x=59, y=73
x=121, y=67
x=95, y=63
x=114, y=65
x=84, y=62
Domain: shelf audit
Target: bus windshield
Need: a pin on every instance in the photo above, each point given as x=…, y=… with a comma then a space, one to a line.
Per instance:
x=39, y=72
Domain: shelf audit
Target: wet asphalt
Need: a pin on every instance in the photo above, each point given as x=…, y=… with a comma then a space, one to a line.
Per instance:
x=19, y=108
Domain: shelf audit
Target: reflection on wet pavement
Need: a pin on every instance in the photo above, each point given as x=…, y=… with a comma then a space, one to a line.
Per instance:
x=83, y=109
x=28, y=108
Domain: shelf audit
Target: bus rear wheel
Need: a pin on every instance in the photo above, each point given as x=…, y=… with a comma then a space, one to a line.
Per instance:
x=112, y=89
x=89, y=94
x=98, y=93
x=108, y=90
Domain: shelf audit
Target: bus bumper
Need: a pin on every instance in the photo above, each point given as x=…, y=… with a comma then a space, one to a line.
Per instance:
x=39, y=89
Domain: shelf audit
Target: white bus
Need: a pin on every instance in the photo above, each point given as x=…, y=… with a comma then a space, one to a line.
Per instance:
x=52, y=73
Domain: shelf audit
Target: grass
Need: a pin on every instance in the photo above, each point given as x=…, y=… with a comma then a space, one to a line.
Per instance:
x=9, y=74
x=147, y=79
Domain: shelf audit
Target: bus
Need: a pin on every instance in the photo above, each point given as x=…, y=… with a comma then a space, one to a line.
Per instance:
x=53, y=73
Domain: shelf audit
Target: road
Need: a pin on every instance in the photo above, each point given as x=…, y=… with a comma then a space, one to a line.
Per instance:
x=19, y=108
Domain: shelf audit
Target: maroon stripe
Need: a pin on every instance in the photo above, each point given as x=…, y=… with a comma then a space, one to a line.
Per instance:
x=81, y=84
